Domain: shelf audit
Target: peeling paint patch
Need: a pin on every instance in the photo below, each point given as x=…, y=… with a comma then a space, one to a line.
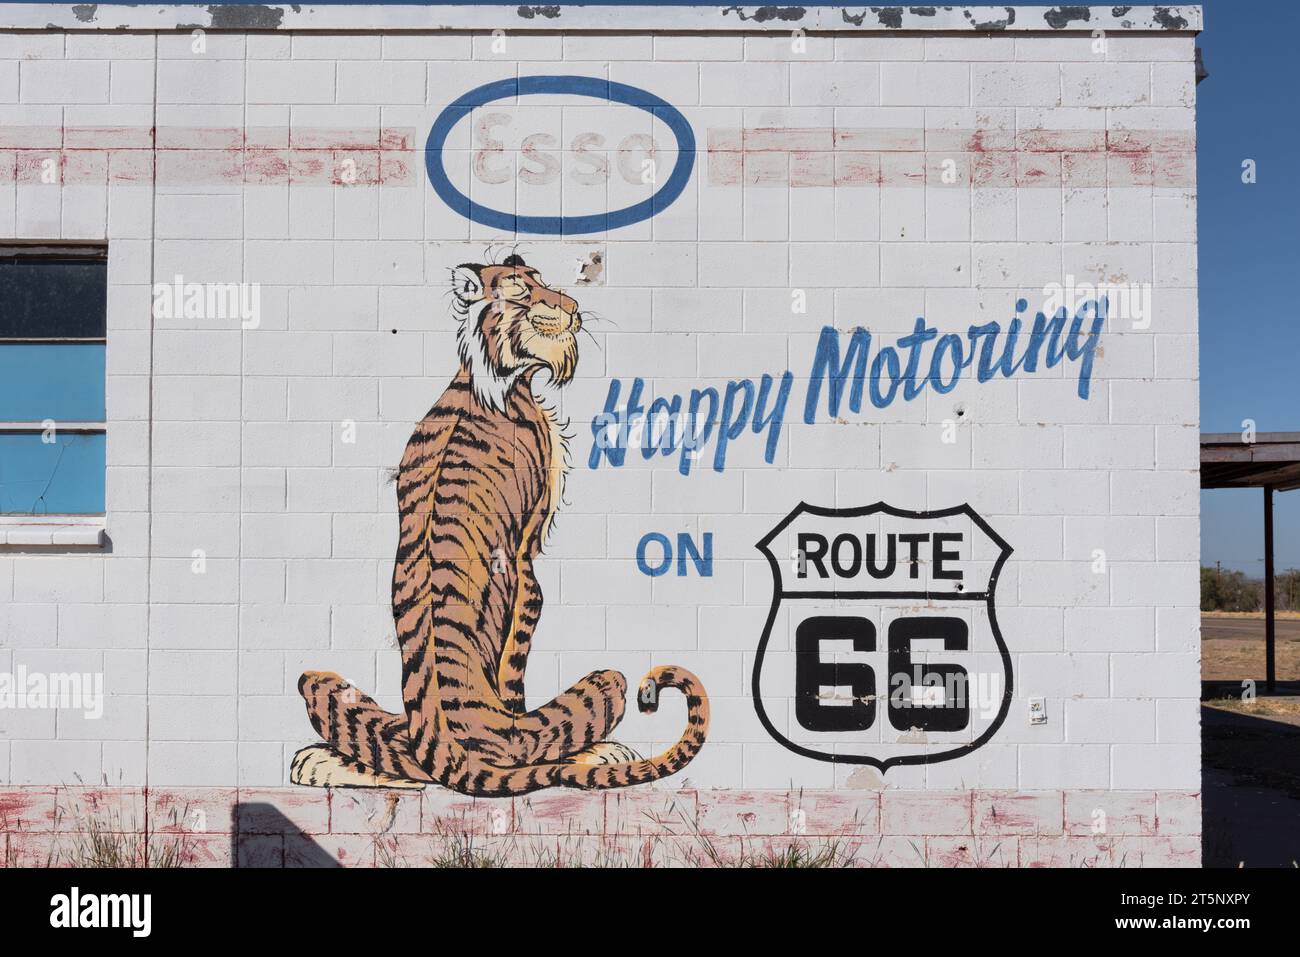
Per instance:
x=765, y=14
x=1167, y=19
x=245, y=16
x=551, y=12
x=1002, y=24
x=886, y=18
x=865, y=779
x=1058, y=18
x=591, y=269
x=891, y=17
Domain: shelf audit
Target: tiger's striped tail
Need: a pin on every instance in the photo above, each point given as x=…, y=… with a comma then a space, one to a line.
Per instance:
x=625, y=773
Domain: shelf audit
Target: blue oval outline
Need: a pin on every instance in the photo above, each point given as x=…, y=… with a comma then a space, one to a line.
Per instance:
x=589, y=86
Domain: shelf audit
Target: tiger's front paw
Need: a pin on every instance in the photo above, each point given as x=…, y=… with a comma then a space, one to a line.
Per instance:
x=320, y=766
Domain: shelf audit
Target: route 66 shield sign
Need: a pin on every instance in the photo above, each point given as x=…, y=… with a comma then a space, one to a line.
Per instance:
x=882, y=645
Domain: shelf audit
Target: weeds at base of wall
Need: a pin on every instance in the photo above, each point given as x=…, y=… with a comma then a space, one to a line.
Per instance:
x=98, y=830
x=104, y=839
x=457, y=845
x=994, y=857
x=100, y=845
x=819, y=853
x=468, y=851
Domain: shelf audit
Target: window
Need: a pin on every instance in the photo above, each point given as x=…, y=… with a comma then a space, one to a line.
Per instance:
x=53, y=306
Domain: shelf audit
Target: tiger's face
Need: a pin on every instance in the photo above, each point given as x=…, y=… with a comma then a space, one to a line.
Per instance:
x=511, y=322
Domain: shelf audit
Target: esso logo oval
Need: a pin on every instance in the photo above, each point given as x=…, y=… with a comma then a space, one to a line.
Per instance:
x=560, y=152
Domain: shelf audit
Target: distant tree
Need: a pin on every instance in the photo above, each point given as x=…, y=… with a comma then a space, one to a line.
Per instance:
x=1230, y=591
x=1209, y=590
x=1287, y=589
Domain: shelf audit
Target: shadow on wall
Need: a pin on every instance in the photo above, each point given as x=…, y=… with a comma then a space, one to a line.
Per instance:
x=263, y=837
x=1250, y=790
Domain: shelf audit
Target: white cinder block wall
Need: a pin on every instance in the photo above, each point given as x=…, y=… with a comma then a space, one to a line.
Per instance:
x=855, y=170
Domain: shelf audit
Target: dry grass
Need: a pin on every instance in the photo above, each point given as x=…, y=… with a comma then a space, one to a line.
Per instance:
x=758, y=852
x=683, y=844
x=1271, y=707
x=1231, y=659
x=101, y=837
x=1232, y=646
x=1250, y=614
x=101, y=846
x=105, y=837
x=823, y=854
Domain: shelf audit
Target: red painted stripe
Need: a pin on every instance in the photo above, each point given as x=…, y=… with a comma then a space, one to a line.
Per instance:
x=758, y=157
x=852, y=157
x=181, y=156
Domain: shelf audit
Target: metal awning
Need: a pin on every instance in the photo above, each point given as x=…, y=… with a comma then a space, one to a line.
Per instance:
x=1271, y=462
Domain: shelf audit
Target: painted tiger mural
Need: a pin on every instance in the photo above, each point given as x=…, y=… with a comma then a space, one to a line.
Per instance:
x=477, y=490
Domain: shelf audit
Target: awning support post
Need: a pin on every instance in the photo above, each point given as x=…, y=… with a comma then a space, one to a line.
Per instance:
x=1269, y=604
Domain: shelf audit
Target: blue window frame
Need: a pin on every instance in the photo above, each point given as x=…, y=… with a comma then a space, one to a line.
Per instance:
x=53, y=327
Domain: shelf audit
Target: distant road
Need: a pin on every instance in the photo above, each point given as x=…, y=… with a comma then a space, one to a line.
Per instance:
x=1288, y=629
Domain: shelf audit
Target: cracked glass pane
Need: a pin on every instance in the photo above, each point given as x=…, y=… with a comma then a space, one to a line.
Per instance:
x=43, y=473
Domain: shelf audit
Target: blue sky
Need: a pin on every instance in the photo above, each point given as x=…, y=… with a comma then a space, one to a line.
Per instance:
x=1249, y=252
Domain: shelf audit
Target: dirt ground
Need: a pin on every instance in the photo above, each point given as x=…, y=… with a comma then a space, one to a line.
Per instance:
x=1232, y=647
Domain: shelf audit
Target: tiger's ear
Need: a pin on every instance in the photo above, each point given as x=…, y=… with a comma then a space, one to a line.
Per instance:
x=467, y=282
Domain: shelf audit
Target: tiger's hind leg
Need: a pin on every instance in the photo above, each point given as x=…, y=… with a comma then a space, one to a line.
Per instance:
x=320, y=766
x=365, y=746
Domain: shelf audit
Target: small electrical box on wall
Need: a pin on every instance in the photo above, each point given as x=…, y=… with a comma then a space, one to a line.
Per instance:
x=1038, y=711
